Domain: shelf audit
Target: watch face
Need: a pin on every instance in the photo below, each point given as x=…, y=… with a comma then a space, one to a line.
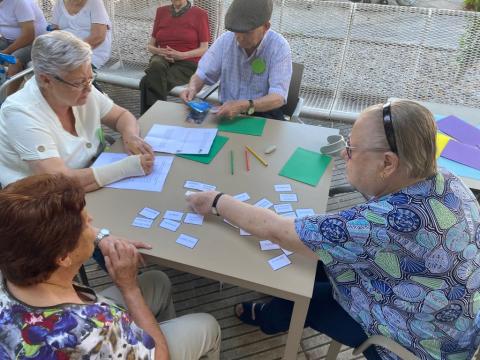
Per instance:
x=250, y=111
x=104, y=232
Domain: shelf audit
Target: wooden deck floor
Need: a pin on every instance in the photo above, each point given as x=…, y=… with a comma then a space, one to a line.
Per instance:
x=197, y=294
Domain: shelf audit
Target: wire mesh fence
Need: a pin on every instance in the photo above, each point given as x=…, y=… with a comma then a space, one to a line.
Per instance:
x=354, y=54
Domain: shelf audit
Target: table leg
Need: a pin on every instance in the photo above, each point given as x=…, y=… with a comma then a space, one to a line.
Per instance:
x=295, y=331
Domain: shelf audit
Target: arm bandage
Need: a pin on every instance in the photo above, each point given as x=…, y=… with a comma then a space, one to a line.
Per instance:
x=128, y=167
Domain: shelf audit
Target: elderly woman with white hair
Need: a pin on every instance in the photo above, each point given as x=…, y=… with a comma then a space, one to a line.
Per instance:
x=53, y=124
x=404, y=265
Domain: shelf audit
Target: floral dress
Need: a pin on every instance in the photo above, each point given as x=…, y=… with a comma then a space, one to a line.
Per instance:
x=96, y=330
x=407, y=266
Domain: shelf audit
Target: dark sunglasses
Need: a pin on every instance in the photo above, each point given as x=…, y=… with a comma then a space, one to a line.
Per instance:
x=388, y=126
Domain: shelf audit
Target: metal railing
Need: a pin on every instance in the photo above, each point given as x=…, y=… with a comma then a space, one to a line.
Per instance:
x=355, y=55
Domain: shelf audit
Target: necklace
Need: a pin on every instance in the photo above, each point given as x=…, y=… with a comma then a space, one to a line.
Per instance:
x=180, y=12
x=58, y=285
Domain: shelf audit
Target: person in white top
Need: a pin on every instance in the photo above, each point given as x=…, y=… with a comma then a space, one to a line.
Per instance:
x=53, y=124
x=88, y=20
x=20, y=22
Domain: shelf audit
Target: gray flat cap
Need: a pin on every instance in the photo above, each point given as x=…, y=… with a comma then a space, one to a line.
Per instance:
x=246, y=15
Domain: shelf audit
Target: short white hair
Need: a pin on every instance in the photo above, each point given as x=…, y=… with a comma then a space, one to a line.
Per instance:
x=415, y=133
x=59, y=52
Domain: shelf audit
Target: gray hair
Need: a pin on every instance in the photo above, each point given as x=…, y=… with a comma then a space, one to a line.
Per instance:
x=415, y=135
x=59, y=52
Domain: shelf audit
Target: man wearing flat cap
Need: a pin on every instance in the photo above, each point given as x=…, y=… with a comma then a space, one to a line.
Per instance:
x=252, y=62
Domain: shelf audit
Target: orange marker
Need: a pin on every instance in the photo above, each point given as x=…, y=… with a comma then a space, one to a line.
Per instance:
x=246, y=160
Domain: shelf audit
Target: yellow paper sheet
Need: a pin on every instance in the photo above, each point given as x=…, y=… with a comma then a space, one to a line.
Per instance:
x=442, y=141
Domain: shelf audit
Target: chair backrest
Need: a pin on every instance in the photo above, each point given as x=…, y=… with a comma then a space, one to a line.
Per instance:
x=293, y=89
x=25, y=74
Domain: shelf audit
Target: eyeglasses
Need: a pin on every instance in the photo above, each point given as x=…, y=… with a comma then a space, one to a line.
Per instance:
x=79, y=85
x=349, y=149
x=388, y=126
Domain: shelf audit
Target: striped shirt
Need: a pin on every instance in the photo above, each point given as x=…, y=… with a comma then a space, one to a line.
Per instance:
x=229, y=63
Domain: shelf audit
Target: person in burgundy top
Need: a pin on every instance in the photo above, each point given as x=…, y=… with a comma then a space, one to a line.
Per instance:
x=179, y=38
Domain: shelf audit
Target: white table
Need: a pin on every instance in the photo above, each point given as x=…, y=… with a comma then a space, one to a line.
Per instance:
x=221, y=253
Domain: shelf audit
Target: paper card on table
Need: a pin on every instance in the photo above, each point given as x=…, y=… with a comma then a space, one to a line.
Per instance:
x=441, y=140
x=217, y=145
x=462, y=153
x=142, y=222
x=244, y=233
x=268, y=245
x=287, y=252
x=192, y=218
x=305, y=166
x=458, y=169
x=149, y=213
x=304, y=212
x=231, y=224
x=170, y=224
x=198, y=186
x=242, y=197
x=279, y=262
x=282, y=208
x=288, y=197
x=152, y=182
x=283, y=187
x=263, y=203
x=289, y=215
x=180, y=140
x=188, y=241
x=243, y=125
x=460, y=130
x=173, y=215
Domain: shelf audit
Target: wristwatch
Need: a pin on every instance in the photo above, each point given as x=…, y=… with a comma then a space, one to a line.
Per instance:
x=214, y=204
x=102, y=233
x=251, y=107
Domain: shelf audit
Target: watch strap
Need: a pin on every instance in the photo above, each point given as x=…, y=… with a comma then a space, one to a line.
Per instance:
x=102, y=234
x=214, y=204
x=251, y=107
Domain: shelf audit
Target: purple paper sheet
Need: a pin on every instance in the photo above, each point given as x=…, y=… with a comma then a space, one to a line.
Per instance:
x=462, y=153
x=460, y=130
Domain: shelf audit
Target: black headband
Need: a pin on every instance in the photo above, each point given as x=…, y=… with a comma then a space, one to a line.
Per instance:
x=388, y=126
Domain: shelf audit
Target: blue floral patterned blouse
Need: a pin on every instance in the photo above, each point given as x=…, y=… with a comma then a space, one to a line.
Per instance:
x=100, y=330
x=407, y=266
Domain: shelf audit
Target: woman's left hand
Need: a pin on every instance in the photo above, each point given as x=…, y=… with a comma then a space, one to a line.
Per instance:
x=135, y=145
x=201, y=202
x=173, y=54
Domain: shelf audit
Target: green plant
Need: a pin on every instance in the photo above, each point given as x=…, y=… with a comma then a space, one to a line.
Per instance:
x=472, y=4
x=469, y=47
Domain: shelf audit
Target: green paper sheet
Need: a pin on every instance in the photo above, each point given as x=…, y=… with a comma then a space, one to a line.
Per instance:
x=217, y=145
x=243, y=125
x=305, y=166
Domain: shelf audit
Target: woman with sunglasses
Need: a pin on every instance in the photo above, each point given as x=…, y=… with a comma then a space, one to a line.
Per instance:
x=404, y=264
x=54, y=124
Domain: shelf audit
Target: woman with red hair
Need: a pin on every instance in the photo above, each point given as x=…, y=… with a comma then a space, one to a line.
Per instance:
x=46, y=236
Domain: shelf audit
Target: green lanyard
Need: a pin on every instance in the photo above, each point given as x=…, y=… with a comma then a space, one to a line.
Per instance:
x=101, y=137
